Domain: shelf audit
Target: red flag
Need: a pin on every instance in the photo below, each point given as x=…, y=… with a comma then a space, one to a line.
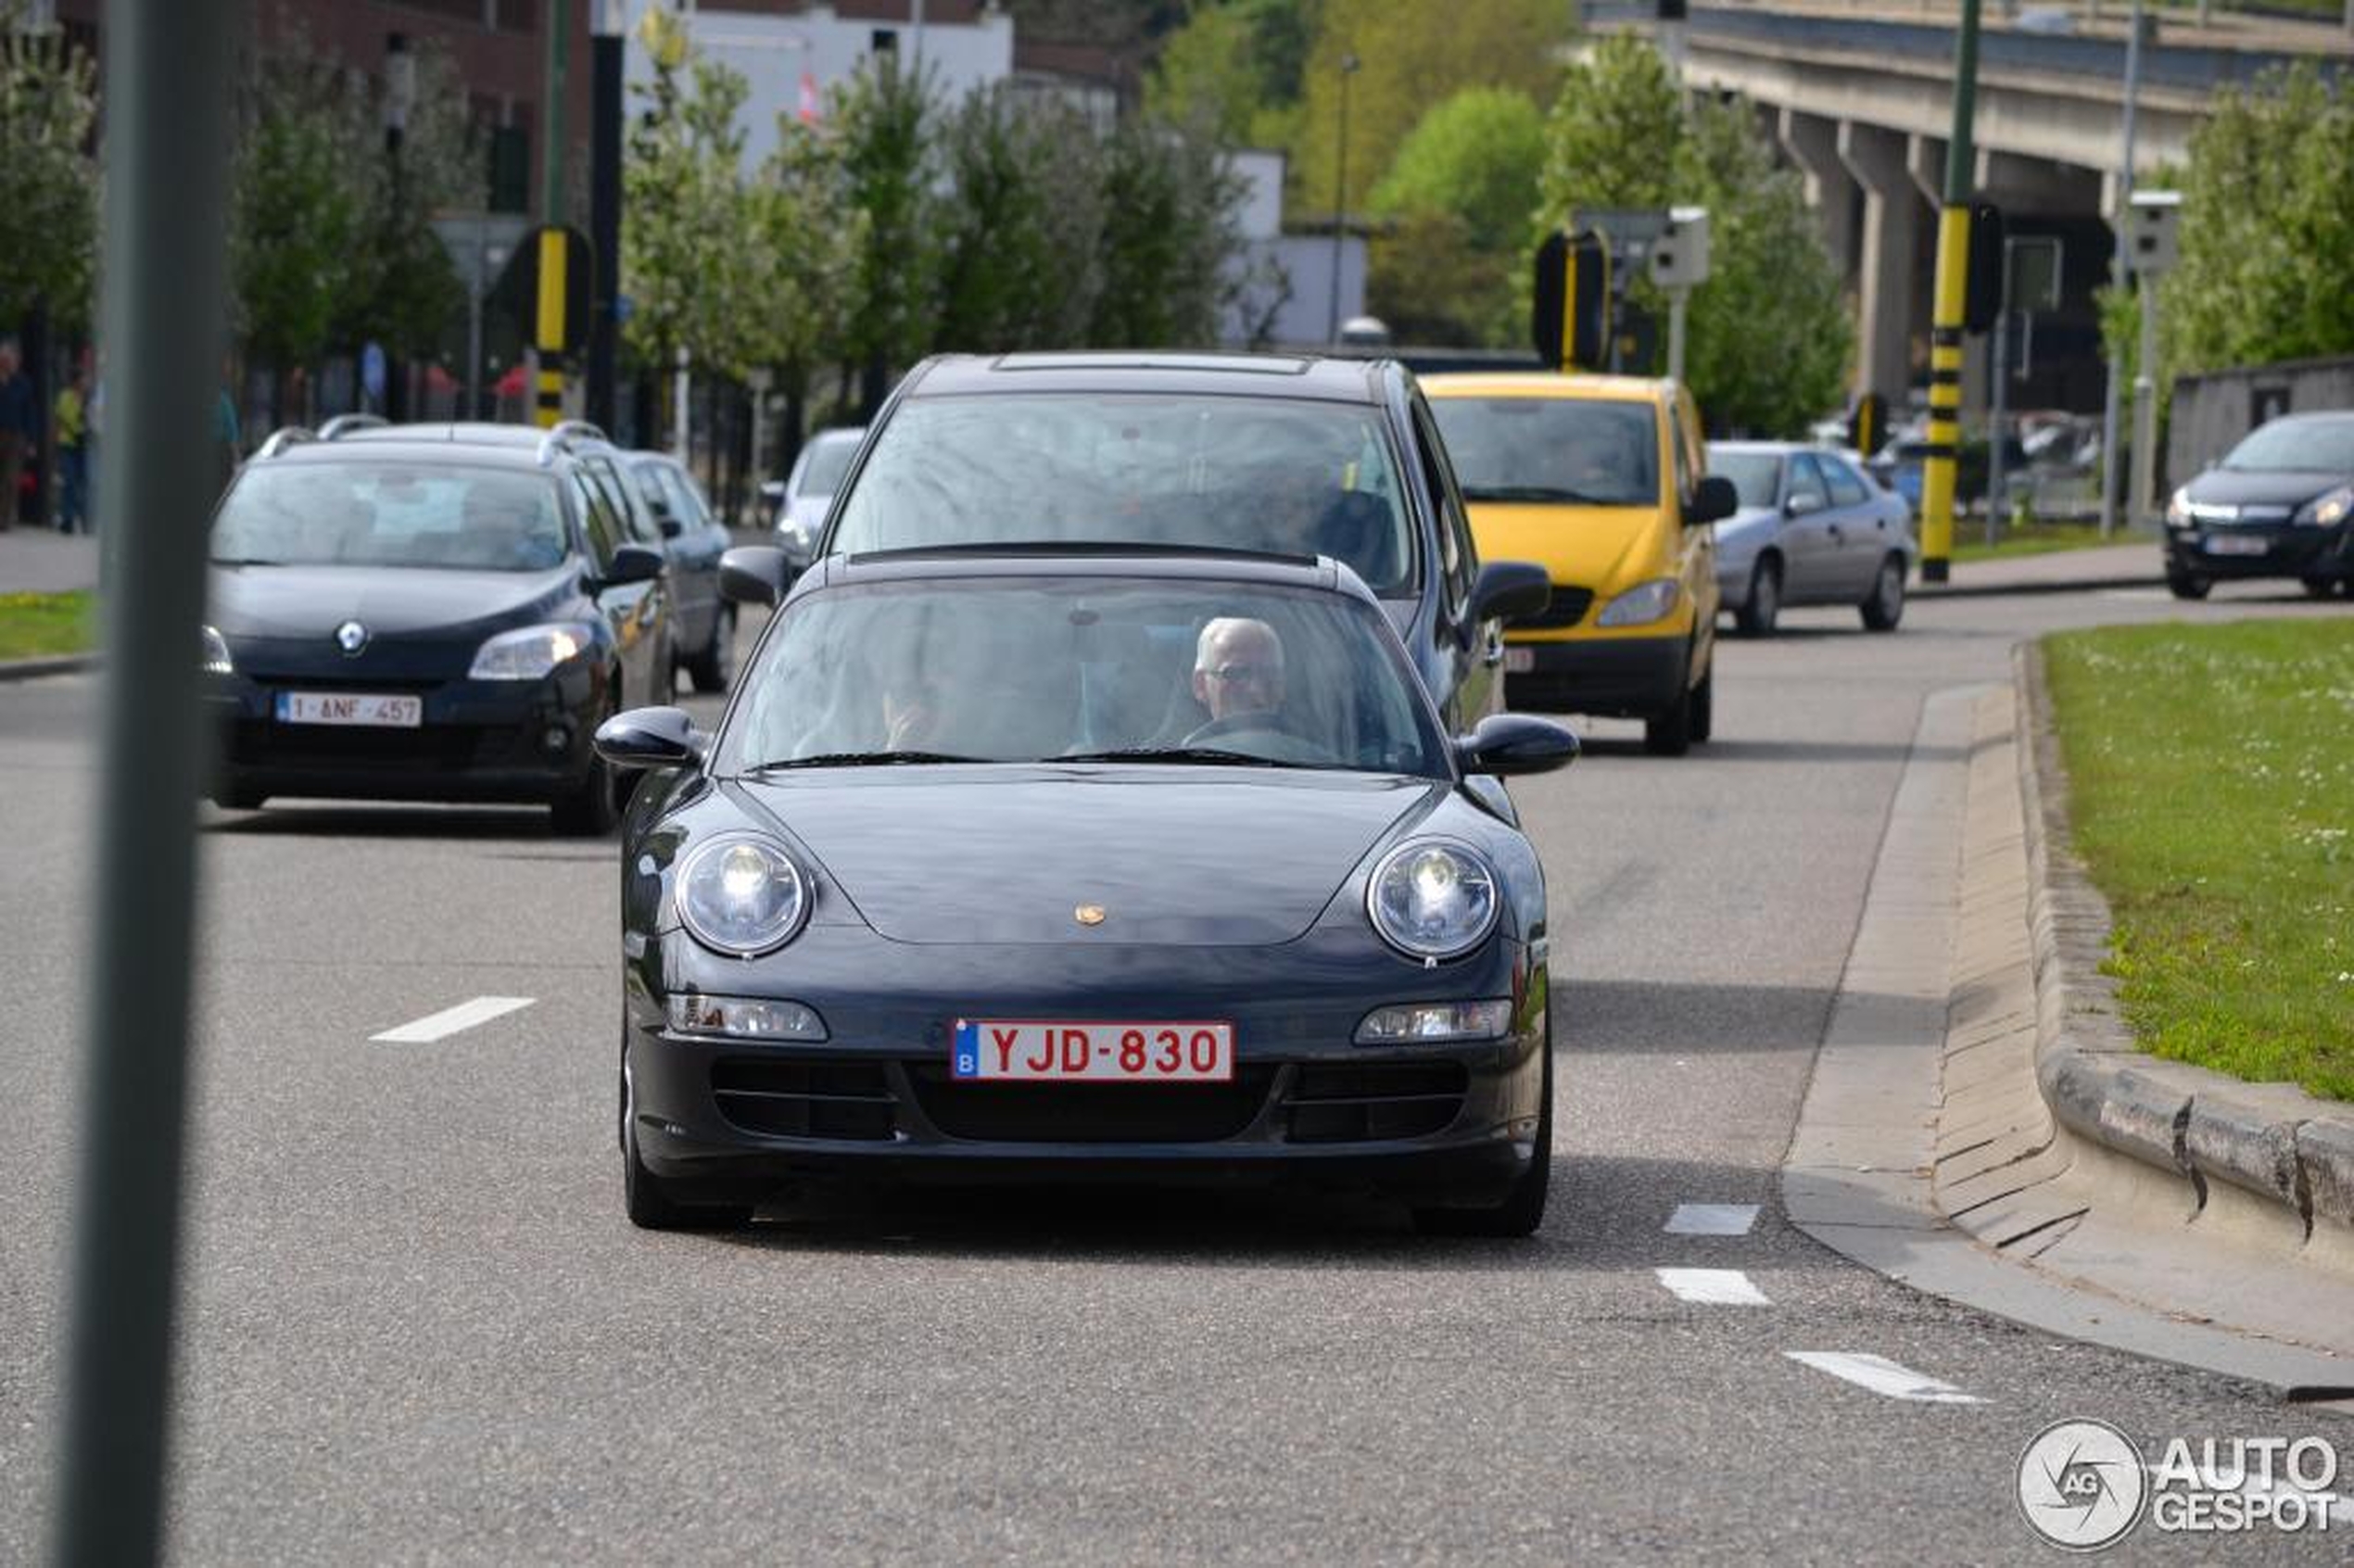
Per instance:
x=808, y=97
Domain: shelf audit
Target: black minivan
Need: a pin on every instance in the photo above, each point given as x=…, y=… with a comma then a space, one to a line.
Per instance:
x=1259, y=454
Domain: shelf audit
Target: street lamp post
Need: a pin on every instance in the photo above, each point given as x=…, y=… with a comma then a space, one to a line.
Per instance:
x=1340, y=195
x=2112, y=395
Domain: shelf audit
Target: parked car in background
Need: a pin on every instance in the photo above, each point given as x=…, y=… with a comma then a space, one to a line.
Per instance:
x=441, y=613
x=705, y=624
x=2281, y=504
x=1146, y=864
x=1599, y=478
x=809, y=489
x=1241, y=453
x=1900, y=466
x=1812, y=529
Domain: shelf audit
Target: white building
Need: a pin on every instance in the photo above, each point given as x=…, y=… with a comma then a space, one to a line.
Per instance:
x=790, y=55
x=1286, y=282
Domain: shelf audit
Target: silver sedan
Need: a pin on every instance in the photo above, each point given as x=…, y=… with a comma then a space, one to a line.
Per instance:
x=1813, y=528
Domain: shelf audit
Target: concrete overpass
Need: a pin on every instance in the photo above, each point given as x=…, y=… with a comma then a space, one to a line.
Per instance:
x=1862, y=104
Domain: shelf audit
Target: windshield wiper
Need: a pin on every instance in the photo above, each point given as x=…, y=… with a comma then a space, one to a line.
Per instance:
x=863, y=759
x=1170, y=754
x=1536, y=493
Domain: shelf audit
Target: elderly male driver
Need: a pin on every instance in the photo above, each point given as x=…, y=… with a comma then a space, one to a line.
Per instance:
x=1238, y=674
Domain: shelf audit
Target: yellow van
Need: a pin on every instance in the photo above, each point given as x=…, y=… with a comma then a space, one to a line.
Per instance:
x=1598, y=478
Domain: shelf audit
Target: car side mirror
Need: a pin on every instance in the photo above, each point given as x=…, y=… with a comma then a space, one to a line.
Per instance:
x=1510, y=591
x=670, y=527
x=799, y=547
x=633, y=563
x=1800, y=505
x=1505, y=744
x=755, y=574
x=1715, y=500
x=651, y=738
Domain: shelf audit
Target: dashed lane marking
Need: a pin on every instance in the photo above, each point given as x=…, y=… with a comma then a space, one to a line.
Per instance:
x=450, y=1021
x=1714, y=1287
x=1883, y=1376
x=1712, y=1220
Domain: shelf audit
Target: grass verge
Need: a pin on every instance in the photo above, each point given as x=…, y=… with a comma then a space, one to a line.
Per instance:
x=33, y=626
x=2034, y=538
x=2211, y=795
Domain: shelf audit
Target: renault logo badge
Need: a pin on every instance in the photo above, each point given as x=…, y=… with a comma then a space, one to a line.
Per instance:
x=1089, y=913
x=351, y=637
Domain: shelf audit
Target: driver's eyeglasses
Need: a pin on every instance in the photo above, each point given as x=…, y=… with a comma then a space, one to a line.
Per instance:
x=1265, y=674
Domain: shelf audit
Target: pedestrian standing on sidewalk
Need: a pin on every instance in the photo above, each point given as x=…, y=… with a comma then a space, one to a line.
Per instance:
x=17, y=429
x=72, y=424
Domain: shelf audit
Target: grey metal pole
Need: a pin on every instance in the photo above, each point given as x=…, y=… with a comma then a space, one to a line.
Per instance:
x=474, y=292
x=2113, y=395
x=1675, y=302
x=2145, y=404
x=1998, y=415
x=1340, y=197
x=169, y=67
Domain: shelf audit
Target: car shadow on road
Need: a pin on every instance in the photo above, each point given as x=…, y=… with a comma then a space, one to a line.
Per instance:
x=1604, y=1214
x=393, y=821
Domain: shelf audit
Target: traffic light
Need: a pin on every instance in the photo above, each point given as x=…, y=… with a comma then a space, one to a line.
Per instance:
x=1867, y=426
x=1569, y=319
x=1983, y=301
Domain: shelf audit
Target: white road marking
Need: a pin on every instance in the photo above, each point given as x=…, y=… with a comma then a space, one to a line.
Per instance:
x=1715, y=1287
x=1712, y=1220
x=1883, y=1376
x=450, y=1021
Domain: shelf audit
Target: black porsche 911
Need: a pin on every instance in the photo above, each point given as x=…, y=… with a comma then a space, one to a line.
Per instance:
x=1129, y=863
x=439, y=613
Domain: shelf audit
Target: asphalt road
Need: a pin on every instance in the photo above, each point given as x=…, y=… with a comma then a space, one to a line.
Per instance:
x=416, y=1326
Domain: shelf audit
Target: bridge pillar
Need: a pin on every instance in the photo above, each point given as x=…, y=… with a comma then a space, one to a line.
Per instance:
x=1887, y=269
x=1812, y=142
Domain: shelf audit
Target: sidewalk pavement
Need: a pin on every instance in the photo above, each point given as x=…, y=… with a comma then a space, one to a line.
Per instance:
x=2136, y=561
x=35, y=560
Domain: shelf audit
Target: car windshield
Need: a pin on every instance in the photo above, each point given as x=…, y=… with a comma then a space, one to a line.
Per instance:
x=1277, y=476
x=1023, y=669
x=828, y=461
x=1755, y=474
x=2316, y=446
x=1561, y=449
x=363, y=513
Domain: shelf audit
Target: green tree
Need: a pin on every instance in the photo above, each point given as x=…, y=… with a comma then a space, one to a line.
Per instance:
x=1019, y=264
x=48, y=184
x=1236, y=67
x=685, y=215
x=1767, y=336
x=2266, y=229
x=1462, y=198
x=1410, y=57
x=1170, y=237
x=406, y=292
x=303, y=199
x=885, y=118
x=802, y=254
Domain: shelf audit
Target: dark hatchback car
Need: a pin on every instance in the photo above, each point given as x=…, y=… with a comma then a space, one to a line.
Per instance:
x=1152, y=867
x=439, y=613
x=2281, y=504
x=1285, y=456
x=703, y=623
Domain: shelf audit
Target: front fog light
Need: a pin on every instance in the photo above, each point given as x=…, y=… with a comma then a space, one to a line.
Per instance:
x=745, y=1017
x=1427, y=1023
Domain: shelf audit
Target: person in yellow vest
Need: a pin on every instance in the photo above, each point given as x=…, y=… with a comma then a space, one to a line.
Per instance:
x=72, y=427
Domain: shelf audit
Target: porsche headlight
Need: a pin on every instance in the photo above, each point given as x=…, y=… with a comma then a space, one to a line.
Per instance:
x=2328, y=509
x=1653, y=601
x=742, y=896
x=216, y=654
x=1432, y=901
x=529, y=653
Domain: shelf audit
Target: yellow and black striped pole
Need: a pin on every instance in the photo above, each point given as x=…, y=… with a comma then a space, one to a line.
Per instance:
x=1952, y=301
x=547, y=329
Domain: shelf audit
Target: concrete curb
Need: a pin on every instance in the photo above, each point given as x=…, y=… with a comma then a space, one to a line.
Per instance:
x=2272, y=1141
x=33, y=669
x=1950, y=590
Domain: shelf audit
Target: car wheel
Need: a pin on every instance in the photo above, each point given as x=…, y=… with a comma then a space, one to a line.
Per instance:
x=594, y=809
x=2186, y=584
x=1757, y=616
x=649, y=1204
x=1524, y=1207
x=2319, y=588
x=1704, y=704
x=1885, y=608
x=239, y=797
x=715, y=665
x=1670, y=733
